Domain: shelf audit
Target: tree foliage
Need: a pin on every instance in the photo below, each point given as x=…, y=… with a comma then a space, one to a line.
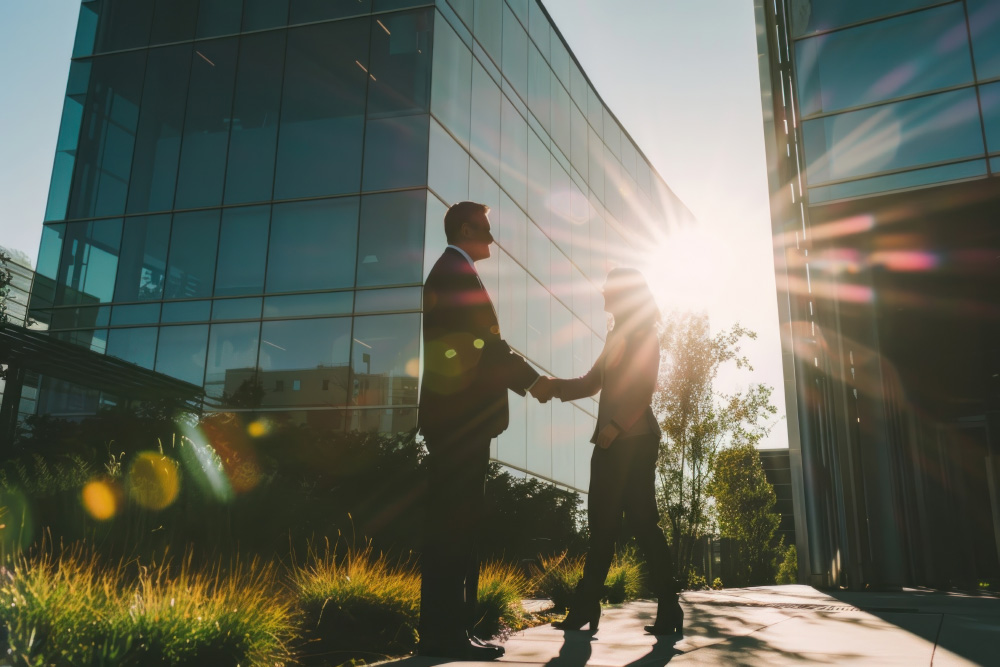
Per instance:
x=744, y=504
x=698, y=421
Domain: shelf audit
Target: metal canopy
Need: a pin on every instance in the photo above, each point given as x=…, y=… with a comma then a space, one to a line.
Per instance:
x=42, y=353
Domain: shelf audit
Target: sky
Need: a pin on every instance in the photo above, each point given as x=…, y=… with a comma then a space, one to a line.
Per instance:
x=680, y=76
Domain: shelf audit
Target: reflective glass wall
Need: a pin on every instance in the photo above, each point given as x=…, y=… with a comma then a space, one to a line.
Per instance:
x=247, y=195
x=895, y=95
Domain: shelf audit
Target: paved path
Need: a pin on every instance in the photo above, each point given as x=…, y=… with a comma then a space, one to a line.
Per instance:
x=777, y=625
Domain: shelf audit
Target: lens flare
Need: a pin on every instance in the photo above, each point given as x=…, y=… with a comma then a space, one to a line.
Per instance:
x=100, y=500
x=202, y=461
x=154, y=481
x=259, y=428
x=413, y=367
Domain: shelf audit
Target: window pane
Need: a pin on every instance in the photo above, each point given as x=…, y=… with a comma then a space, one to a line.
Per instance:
x=391, y=243
x=242, y=251
x=158, y=138
x=314, y=352
x=560, y=62
x=385, y=359
x=84, y=317
x=539, y=459
x=562, y=341
x=989, y=97
x=485, y=139
x=254, y=129
x=928, y=129
x=307, y=11
x=43, y=290
x=512, y=309
x=515, y=53
x=180, y=352
x=186, y=311
x=513, y=153
x=236, y=309
x=596, y=168
x=261, y=14
x=295, y=305
x=396, y=152
x=400, y=63
x=396, y=420
x=538, y=181
x=451, y=96
x=906, y=179
x=488, y=27
x=206, y=125
x=322, y=110
x=387, y=300
x=104, y=157
x=539, y=83
x=539, y=322
x=143, y=262
x=883, y=60
x=538, y=27
x=147, y=313
x=984, y=22
x=137, y=346
x=120, y=24
x=230, y=372
x=174, y=21
x=89, y=262
x=511, y=228
x=448, y=167
x=808, y=16
x=219, y=17
x=191, y=262
x=313, y=245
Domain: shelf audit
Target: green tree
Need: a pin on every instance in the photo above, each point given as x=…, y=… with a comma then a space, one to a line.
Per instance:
x=697, y=422
x=788, y=571
x=744, y=504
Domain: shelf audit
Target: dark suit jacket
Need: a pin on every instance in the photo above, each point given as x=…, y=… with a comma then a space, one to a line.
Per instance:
x=468, y=367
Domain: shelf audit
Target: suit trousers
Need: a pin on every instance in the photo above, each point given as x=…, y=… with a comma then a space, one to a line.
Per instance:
x=449, y=566
x=623, y=483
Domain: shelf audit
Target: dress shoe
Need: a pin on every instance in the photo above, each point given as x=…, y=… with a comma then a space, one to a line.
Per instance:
x=462, y=651
x=581, y=614
x=669, y=618
x=482, y=642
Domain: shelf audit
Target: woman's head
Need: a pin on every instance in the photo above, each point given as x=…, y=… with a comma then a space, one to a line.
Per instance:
x=628, y=299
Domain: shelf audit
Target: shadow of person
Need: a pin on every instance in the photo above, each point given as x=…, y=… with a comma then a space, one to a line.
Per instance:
x=662, y=651
x=575, y=651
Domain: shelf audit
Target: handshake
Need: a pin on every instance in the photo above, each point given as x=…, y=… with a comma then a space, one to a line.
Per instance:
x=546, y=388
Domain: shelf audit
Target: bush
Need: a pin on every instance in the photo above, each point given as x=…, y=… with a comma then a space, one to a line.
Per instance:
x=72, y=610
x=556, y=578
x=695, y=581
x=717, y=584
x=788, y=571
x=499, y=611
x=356, y=606
x=624, y=580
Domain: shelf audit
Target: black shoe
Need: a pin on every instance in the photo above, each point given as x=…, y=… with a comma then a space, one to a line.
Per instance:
x=462, y=651
x=580, y=615
x=669, y=618
x=482, y=642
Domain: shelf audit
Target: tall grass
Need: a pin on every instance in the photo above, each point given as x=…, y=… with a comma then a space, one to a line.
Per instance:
x=356, y=605
x=72, y=610
x=556, y=578
x=499, y=612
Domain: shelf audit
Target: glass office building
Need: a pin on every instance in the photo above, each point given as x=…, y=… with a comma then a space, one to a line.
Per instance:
x=247, y=195
x=882, y=133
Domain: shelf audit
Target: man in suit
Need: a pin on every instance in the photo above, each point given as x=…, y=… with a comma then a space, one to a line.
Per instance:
x=468, y=369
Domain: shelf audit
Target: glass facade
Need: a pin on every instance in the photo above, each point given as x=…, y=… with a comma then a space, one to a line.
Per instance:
x=247, y=196
x=892, y=95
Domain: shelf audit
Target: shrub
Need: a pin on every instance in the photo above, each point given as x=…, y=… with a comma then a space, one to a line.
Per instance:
x=356, y=605
x=72, y=610
x=624, y=580
x=499, y=611
x=717, y=584
x=695, y=581
x=788, y=571
x=556, y=578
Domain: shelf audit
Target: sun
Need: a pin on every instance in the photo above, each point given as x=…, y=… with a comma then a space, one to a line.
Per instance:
x=688, y=269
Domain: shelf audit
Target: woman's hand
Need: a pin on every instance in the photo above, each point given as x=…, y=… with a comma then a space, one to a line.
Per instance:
x=607, y=435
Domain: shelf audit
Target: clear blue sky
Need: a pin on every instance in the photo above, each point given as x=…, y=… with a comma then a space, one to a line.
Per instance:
x=681, y=76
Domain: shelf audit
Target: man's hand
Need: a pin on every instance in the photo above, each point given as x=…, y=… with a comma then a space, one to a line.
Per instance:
x=607, y=436
x=543, y=389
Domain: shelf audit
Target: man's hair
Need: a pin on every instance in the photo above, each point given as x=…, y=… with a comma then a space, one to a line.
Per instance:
x=459, y=214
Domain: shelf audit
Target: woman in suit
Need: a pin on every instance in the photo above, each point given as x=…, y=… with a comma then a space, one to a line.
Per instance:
x=623, y=466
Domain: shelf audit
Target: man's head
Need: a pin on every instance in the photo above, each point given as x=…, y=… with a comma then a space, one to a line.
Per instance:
x=467, y=225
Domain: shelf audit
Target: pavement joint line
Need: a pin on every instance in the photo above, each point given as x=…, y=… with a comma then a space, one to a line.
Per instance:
x=787, y=605
x=725, y=640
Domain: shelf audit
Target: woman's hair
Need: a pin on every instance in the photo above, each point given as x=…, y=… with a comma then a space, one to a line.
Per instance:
x=638, y=307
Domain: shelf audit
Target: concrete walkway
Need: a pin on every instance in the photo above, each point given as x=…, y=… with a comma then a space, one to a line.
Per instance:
x=778, y=625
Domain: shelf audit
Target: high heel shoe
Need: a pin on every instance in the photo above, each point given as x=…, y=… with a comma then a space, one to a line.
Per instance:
x=669, y=618
x=580, y=615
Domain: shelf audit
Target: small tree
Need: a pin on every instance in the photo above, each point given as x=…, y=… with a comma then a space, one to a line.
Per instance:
x=697, y=422
x=788, y=571
x=744, y=501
